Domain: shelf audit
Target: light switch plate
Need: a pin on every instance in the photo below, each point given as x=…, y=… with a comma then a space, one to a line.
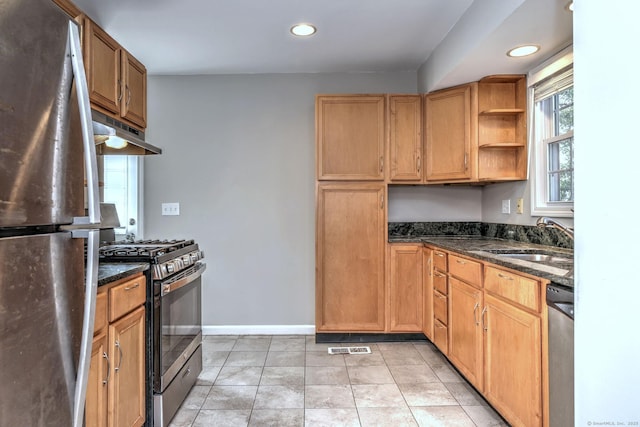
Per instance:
x=506, y=206
x=171, y=209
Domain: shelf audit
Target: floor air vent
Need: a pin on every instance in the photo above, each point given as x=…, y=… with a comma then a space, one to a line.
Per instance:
x=349, y=350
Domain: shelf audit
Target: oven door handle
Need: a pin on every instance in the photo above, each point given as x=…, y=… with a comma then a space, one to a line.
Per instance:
x=170, y=287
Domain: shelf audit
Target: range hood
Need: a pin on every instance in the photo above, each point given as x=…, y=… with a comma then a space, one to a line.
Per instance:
x=114, y=137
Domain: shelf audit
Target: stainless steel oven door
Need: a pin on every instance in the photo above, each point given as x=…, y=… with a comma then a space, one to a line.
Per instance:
x=177, y=323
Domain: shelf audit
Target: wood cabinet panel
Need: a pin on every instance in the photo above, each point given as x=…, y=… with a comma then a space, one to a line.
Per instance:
x=97, y=390
x=125, y=297
x=465, y=331
x=134, y=103
x=466, y=269
x=514, y=287
x=405, y=288
x=405, y=138
x=101, y=317
x=440, y=307
x=350, y=135
x=350, y=251
x=102, y=62
x=451, y=134
x=427, y=292
x=126, y=395
x=440, y=260
x=440, y=336
x=513, y=362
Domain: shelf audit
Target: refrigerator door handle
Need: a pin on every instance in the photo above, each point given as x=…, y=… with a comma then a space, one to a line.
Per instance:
x=90, y=161
x=93, y=221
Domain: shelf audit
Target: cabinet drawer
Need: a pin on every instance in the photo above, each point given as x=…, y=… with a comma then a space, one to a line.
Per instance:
x=440, y=282
x=101, y=312
x=440, y=336
x=126, y=296
x=466, y=270
x=440, y=260
x=518, y=289
x=440, y=307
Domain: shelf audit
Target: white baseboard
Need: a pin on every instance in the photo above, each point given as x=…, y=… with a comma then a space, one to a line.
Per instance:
x=259, y=330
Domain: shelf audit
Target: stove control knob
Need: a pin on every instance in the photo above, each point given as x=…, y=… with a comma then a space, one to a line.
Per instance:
x=170, y=268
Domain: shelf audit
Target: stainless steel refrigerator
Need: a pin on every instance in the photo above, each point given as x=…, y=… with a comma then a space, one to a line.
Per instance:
x=47, y=288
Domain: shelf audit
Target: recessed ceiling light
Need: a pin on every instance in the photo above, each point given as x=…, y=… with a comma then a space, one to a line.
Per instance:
x=524, y=50
x=303, y=30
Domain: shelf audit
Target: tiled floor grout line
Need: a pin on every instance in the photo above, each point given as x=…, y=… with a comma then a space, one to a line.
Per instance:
x=351, y=374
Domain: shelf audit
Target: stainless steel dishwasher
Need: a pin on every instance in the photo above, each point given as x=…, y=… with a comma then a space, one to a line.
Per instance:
x=561, y=393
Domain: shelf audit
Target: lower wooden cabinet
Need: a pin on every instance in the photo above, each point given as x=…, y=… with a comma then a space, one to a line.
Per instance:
x=405, y=288
x=465, y=330
x=513, y=362
x=116, y=386
x=489, y=322
x=350, y=255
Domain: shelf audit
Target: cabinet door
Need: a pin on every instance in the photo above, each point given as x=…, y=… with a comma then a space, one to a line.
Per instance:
x=350, y=134
x=513, y=362
x=127, y=390
x=451, y=133
x=96, y=403
x=350, y=251
x=102, y=63
x=465, y=331
x=134, y=103
x=405, y=288
x=427, y=292
x=405, y=138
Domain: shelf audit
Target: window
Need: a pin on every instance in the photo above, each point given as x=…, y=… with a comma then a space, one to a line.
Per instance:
x=553, y=141
x=121, y=186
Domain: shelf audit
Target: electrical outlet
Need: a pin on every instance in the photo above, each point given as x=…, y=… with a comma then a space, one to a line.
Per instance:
x=171, y=209
x=520, y=206
x=506, y=206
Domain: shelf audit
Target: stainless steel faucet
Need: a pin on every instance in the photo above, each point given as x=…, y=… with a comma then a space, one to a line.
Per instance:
x=548, y=222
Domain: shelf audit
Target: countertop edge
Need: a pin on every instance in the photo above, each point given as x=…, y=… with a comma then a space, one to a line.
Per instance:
x=110, y=272
x=469, y=246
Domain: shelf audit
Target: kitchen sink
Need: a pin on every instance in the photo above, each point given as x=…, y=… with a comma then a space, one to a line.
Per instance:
x=537, y=257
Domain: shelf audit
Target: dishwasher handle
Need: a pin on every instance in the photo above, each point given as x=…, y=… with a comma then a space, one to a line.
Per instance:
x=561, y=298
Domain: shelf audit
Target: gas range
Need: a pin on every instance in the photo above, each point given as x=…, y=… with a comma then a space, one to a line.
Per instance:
x=167, y=257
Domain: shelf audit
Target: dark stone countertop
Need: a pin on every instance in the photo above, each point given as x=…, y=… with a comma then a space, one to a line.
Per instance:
x=110, y=272
x=478, y=247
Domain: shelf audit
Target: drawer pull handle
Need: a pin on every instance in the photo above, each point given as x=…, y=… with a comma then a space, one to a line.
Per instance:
x=484, y=325
x=104, y=356
x=475, y=314
x=128, y=288
x=459, y=261
x=439, y=254
x=117, y=368
x=504, y=276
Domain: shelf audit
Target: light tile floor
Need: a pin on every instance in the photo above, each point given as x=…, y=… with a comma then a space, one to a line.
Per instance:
x=292, y=381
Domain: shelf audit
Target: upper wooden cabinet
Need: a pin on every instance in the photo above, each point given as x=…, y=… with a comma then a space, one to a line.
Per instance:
x=69, y=8
x=451, y=136
x=117, y=81
x=405, y=138
x=350, y=134
x=477, y=132
x=502, y=128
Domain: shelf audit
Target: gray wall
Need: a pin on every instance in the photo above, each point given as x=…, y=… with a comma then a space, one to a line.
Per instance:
x=238, y=155
x=434, y=203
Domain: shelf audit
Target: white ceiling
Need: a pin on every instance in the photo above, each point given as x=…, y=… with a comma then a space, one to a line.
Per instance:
x=252, y=36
